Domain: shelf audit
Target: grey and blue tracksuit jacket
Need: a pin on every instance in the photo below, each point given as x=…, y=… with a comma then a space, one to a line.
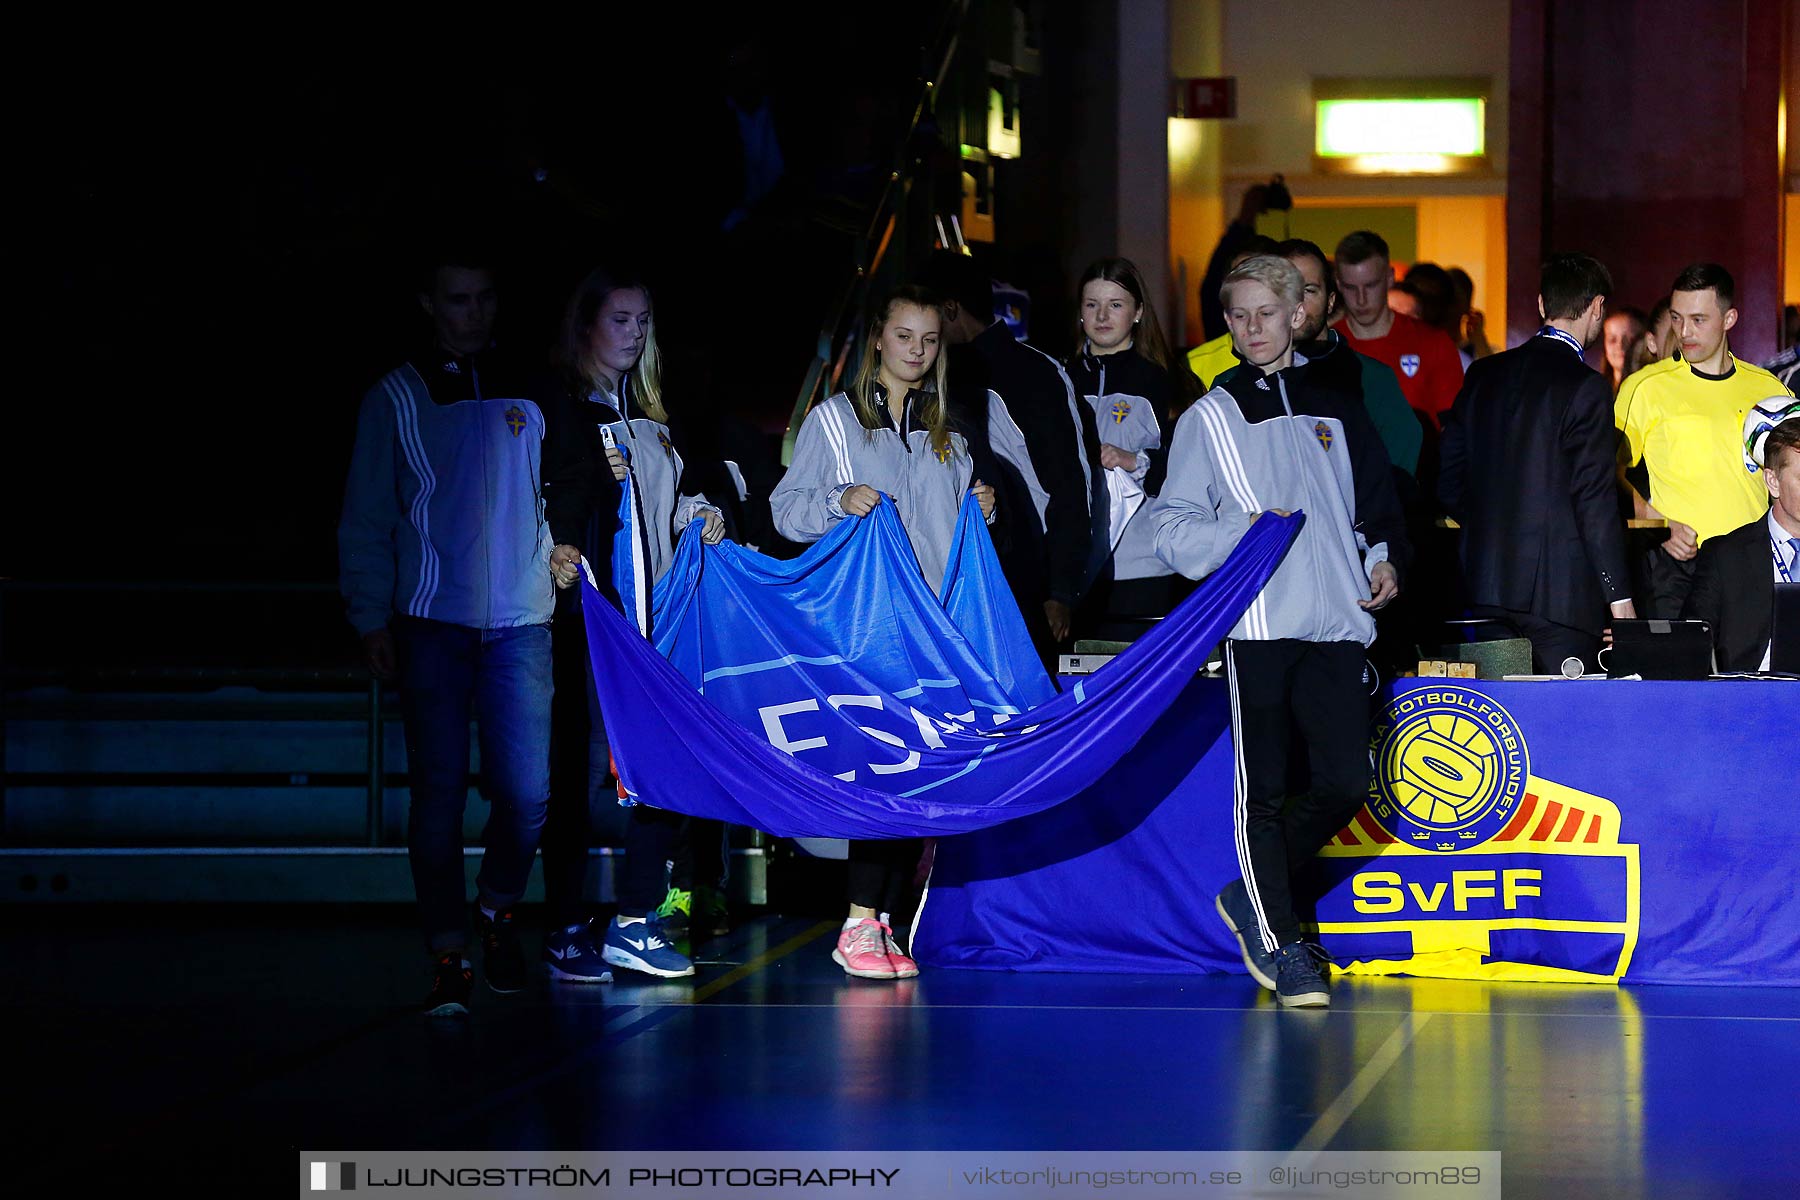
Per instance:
x=834, y=452
x=1257, y=442
x=1128, y=398
x=443, y=512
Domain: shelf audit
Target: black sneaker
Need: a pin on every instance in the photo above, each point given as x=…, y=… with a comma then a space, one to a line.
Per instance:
x=712, y=911
x=572, y=955
x=502, y=962
x=1298, y=983
x=451, y=979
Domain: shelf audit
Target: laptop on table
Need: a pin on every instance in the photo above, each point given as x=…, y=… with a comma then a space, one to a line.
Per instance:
x=1652, y=649
x=1784, y=647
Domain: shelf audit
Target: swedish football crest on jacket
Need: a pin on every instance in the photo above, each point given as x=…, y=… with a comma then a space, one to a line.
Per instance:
x=444, y=511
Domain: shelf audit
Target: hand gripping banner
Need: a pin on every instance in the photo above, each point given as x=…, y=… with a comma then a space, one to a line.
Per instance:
x=835, y=695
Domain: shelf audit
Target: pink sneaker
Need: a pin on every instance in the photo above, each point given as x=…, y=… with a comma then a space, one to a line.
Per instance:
x=862, y=951
x=904, y=967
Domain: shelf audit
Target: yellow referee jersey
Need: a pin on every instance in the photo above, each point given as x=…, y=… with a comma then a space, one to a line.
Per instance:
x=1688, y=429
x=1209, y=360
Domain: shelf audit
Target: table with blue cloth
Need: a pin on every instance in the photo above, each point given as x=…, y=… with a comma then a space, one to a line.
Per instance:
x=1571, y=831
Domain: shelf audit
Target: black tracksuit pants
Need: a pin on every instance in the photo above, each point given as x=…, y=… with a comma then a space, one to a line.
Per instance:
x=579, y=769
x=1280, y=689
x=881, y=872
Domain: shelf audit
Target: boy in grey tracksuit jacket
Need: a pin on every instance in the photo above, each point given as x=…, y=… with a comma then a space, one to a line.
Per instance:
x=443, y=513
x=1265, y=440
x=445, y=540
x=1260, y=442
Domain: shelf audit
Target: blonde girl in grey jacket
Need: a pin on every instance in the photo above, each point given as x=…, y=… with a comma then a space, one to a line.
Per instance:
x=887, y=436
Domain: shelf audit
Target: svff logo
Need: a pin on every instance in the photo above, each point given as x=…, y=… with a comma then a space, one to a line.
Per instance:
x=1450, y=769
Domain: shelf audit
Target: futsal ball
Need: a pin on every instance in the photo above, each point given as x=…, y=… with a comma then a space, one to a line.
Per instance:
x=1758, y=423
x=1444, y=771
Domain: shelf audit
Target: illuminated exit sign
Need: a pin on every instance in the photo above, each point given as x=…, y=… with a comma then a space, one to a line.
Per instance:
x=1452, y=127
x=1209, y=99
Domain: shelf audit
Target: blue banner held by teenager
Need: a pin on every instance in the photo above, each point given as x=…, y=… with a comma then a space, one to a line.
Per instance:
x=835, y=695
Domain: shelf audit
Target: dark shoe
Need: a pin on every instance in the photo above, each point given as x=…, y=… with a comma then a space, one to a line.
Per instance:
x=675, y=913
x=1234, y=907
x=713, y=913
x=572, y=955
x=502, y=962
x=451, y=979
x=1298, y=983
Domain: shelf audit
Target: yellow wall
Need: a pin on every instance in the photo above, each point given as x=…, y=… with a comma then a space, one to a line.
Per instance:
x=1790, y=155
x=1790, y=273
x=1470, y=232
x=1196, y=196
x=1452, y=231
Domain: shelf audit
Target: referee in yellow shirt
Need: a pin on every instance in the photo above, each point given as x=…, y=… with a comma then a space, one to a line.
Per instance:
x=1684, y=419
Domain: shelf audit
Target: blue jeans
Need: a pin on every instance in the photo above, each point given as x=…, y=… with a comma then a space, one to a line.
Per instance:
x=502, y=676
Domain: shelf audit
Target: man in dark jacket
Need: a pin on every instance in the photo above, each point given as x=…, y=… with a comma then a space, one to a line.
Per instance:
x=1735, y=573
x=1333, y=364
x=1528, y=473
x=1063, y=449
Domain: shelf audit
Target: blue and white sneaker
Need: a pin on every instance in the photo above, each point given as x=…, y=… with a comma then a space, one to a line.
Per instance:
x=1234, y=907
x=643, y=946
x=572, y=956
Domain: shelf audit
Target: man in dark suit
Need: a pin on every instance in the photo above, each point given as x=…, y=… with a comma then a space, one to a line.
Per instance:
x=1735, y=573
x=1527, y=472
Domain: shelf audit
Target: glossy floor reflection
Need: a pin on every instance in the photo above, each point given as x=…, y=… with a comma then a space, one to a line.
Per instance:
x=153, y=1036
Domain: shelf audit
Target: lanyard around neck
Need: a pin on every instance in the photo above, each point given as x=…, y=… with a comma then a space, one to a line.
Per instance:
x=1563, y=336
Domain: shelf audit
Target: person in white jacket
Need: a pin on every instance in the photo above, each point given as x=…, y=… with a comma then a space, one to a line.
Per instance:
x=887, y=436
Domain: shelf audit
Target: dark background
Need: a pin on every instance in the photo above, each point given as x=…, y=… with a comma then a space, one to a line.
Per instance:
x=218, y=230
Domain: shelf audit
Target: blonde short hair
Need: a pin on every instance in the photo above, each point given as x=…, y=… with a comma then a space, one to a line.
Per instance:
x=1273, y=272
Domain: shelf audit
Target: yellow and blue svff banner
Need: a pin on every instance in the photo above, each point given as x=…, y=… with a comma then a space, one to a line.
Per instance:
x=1465, y=863
x=1588, y=831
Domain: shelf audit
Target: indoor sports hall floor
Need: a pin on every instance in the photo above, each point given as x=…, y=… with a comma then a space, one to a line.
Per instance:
x=144, y=1040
